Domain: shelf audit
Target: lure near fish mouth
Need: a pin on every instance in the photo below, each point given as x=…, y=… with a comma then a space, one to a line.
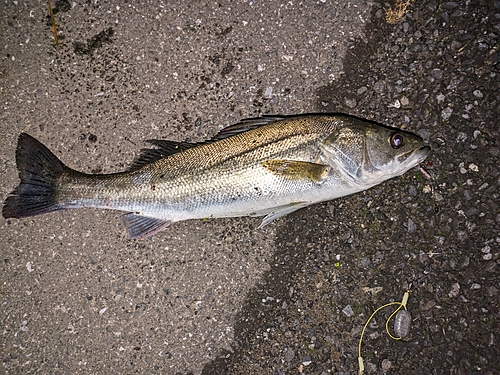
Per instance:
x=269, y=166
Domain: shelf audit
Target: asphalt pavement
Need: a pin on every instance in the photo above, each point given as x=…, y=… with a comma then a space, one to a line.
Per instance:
x=221, y=296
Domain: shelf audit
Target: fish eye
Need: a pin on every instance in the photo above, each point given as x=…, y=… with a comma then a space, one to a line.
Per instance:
x=396, y=140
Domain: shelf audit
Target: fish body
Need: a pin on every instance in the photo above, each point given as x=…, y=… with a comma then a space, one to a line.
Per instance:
x=268, y=167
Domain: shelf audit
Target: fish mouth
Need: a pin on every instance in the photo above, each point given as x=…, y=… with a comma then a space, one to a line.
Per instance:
x=416, y=156
x=421, y=154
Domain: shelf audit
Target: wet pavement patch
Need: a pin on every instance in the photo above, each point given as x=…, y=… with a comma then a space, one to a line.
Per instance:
x=434, y=72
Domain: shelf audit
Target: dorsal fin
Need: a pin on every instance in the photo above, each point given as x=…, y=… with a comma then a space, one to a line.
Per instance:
x=245, y=125
x=167, y=148
x=164, y=148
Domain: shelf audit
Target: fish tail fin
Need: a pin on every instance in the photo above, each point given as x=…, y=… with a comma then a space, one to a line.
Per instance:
x=39, y=170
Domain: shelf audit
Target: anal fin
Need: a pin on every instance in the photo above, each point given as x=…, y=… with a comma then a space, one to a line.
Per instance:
x=139, y=226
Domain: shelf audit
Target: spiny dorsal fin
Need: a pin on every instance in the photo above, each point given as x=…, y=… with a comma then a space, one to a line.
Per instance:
x=164, y=148
x=245, y=125
x=299, y=170
x=167, y=148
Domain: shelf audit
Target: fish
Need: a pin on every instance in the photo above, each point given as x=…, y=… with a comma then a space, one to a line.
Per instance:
x=268, y=166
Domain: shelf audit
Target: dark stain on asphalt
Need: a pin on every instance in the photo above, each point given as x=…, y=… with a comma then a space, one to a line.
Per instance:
x=97, y=41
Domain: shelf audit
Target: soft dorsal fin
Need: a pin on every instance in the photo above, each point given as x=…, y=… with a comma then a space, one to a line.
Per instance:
x=164, y=148
x=245, y=125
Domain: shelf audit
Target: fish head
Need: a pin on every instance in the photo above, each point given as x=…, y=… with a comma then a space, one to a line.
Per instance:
x=367, y=154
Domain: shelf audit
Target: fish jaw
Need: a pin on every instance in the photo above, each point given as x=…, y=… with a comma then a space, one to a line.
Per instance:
x=416, y=157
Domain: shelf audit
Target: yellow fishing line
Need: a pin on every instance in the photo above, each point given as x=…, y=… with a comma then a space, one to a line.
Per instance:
x=401, y=304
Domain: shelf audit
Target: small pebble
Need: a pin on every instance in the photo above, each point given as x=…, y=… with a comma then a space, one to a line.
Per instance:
x=486, y=249
x=446, y=113
x=351, y=103
x=455, y=290
x=24, y=327
x=450, y=5
x=427, y=305
x=386, y=365
x=348, y=311
x=269, y=93
x=365, y=262
x=462, y=169
x=478, y=94
x=438, y=196
x=473, y=167
x=379, y=87
x=362, y=90
x=306, y=361
x=437, y=74
x=411, y=226
x=396, y=104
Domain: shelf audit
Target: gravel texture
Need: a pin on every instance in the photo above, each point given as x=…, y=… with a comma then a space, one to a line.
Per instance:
x=437, y=73
x=219, y=296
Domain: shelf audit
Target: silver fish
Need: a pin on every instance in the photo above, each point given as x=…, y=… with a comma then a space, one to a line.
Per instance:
x=269, y=166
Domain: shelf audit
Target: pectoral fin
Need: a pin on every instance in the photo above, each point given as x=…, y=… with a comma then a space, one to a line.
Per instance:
x=142, y=226
x=300, y=170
